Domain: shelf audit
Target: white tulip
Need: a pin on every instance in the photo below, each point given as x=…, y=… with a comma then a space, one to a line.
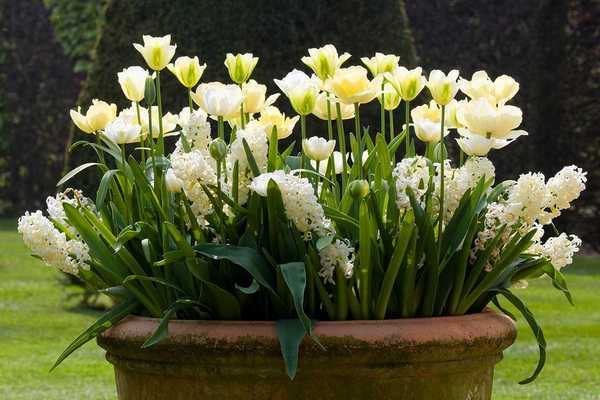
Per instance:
x=271, y=118
x=427, y=122
x=254, y=97
x=317, y=148
x=477, y=145
x=442, y=87
x=320, y=110
x=499, y=91
x=169, y=122
x=133, y=81
x=300, y=89
x=122, y=130
x=488, y=120
x=325, y=61
x=218, y=99
x=408, y=83
x=381, y=63
x=338, y=165
x=157, y=51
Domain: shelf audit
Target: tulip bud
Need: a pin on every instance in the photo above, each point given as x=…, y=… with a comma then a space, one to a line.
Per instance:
x=187, y=70
x=359, y=188
x=157, y=51
x=149, y=91
x=442, y=87
x=440, y=153
x=218, y=149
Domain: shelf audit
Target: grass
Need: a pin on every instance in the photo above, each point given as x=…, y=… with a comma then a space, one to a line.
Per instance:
x=37, y=323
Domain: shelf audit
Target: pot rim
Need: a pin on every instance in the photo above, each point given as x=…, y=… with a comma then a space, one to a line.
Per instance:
x=446, y=329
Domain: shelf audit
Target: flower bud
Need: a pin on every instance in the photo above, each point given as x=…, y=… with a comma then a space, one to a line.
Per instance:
x=150, y=91
x=218, y=149
x=240, y=66
x=359, y=188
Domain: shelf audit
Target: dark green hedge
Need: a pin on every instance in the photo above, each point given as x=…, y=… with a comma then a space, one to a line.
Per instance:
x=551, y=47
x=279, y=32
x=38, y=87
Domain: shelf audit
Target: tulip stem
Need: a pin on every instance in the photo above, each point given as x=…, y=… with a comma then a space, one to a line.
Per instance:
x=221, y=127
x=242, y=116
x=161, y=142
x=462, y=157
x=142, y=138
x=330, y=136
x=303, y=138
x=358, y=139
x=441, y=201
x=151, y=141
x=391, y=125
x=407, y=136
x=317, y=178
x=342, y=138
x=190, y=103
x=382, y=108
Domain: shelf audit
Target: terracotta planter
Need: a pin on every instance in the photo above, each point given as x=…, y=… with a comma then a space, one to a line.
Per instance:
x=423, y=358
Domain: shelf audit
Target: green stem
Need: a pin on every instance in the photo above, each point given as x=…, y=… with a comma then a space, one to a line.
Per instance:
x=221, y=127
x=142, y=139
x=462, y=158
x=161, y=140
x=357, y=129
x=391, y=112
x=342, y=139
x=151, y=142
x=242, y=115
x=330, y=137
x=303, y=137
x=407, y=119
x=382, y=109
x=190, y=103
x=441, y=201
x=341, y=313
x=317, y=179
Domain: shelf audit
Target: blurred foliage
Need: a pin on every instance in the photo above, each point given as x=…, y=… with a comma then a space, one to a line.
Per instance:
x=76, y=26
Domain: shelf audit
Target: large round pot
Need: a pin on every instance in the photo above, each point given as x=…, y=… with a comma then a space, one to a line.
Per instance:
x=422, y=358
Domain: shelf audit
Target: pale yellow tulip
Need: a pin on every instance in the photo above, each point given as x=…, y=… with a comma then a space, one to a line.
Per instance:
x=187, y=70
x=240, y=66
x=157, y=51
x=325, y=61
x=352, y=86
x=98, y=115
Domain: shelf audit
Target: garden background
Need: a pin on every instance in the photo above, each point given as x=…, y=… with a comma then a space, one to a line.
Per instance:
x=57, y=54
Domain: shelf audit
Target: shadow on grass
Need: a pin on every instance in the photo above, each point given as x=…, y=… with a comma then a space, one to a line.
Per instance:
x=584, y=265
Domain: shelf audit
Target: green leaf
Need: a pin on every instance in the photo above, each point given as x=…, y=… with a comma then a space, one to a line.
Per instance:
x=75, y=171
x=294, y=275
x=290, y=333
x=245, y=257
x=558, y=281
x=152, y=279
x=250, y=157
x=105, y=321
x=162, y=331
x=103, y=187
x=535, y=328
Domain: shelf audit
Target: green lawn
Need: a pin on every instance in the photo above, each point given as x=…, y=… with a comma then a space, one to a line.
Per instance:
x=36, y=323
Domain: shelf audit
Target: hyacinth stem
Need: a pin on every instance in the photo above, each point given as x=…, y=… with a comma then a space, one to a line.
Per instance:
x=407, y=119
x=342, y=139
x=382, y=109
x=358, y=139
x=442, y=162
x=161, y=140
x=142, y=139
x=220, y=127
x=391, y=112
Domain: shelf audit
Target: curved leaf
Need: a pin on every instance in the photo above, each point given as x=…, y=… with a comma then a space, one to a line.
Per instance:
x=290, y=333
x=75, y=171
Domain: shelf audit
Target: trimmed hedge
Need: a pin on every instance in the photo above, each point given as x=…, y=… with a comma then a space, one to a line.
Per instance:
x=551, y=48
x=279, y=32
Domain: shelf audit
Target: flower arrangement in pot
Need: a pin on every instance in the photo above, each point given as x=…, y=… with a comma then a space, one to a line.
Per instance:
x=230, y=248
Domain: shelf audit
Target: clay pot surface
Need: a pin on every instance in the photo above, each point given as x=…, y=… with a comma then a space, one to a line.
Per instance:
x=418, y=358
